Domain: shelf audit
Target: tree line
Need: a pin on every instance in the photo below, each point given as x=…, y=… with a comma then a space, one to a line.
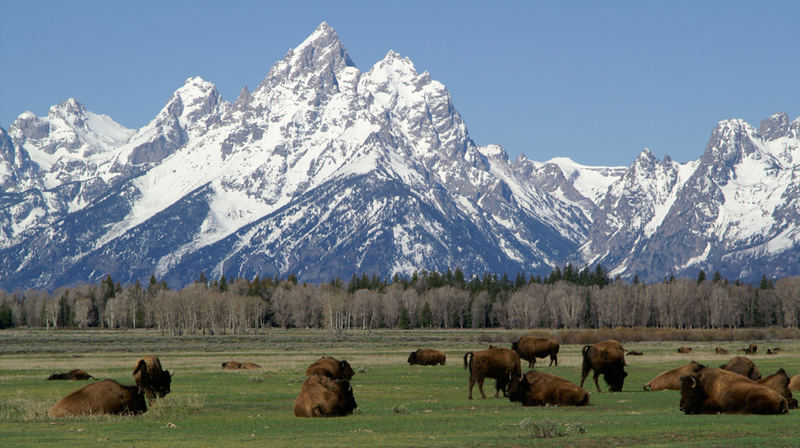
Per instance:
x=567, y=298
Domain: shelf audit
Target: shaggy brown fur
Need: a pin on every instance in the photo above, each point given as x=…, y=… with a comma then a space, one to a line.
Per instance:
x=427, y=357
x=103, y=397
x=529, y=348
x=744, y=367
x=540, y=389
x=321, y=396
x=501, y=364
x=74, y=375
x=151, y=378
x=332, y=368
x=607, y=358
x=671, y=379
x=711, y=391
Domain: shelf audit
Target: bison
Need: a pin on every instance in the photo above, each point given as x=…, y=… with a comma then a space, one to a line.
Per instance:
x=743, y=366
x=721, y=351
x=151, y=378
x=711, y=391
x=685, y=350
x=634, y=353
x=501, y=364
x=103, y=397
x=74, y=374
x=332, y=368
x=671, y=379
x=794, y=383
x=322, y=396
x=607, y=358
x=541, y=389
x=779, y=382
x=529, y=348
x=751, y=350
x=427, y=357
x=236, y=365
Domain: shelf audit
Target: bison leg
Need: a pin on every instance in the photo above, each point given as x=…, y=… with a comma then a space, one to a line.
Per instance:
x=532, y=362
x=596, y=375
x=584, y=374
x=553, y=359
x=480, y=386
x=471, y=383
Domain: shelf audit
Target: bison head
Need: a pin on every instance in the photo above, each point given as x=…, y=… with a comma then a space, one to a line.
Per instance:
x=346, y=371
x=517, y=388
x=347, y=402
x=692, y=394
x=514, y=345
x=412, y=357
x=615, y=379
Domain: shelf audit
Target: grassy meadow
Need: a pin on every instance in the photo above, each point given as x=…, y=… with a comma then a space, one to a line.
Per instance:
x=398, y=404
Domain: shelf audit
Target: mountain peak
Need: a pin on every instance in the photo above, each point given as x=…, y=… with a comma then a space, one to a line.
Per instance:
x=775, y=126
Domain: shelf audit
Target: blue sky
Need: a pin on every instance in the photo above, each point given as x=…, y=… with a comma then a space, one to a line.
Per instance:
x=593, y=81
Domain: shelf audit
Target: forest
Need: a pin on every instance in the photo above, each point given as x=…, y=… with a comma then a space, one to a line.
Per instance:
x=567, y=298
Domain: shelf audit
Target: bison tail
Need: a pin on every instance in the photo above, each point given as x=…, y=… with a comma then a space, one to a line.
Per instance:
x=467, y=363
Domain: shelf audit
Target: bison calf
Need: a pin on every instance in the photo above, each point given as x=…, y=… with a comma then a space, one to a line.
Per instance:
x=606, y=358
x=529, y=348
x=322, y=396
x=501, y=364
x=74, y=375
x=711, y=391
x=104, y=397
x=427, y=357
x=541, y=389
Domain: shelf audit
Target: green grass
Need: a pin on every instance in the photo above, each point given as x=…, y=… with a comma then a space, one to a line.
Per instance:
x=398, y=405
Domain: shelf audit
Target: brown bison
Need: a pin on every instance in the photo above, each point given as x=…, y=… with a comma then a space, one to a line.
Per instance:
x=151, y=377
x=721, y=351
x=743, y=366
x=711, y=391
x=671, y=379
x=779, y=382
x=685, y=350
x=751, y=350
x=501, y=364
x=103, y=397
x=794, y=383
x=634, y=353
x=322, y=396
x=530, y=348
x=427, y=357
x=541, y=389
x=607, y=358
x=74, y=374
x=332, y=368
x=236, y=365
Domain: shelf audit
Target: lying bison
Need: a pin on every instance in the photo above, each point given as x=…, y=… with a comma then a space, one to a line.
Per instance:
x=711, y=391
x=779, y=382
x=541, y=389
x=529, y=348
x=743, y=366
x=607, y=358
x=501, y=364
x=794, y=383
x=74, y=375
x=332, y=368
x=322, y=396
x=151, y=377
x=103, y=397
x=671, y=379
x=236, y=365
x=721, y=351
x=685, y=350
x=427, y=357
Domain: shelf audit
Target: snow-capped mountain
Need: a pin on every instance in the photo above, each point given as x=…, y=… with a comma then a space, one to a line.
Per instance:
x=735, y=210
x=324, y=171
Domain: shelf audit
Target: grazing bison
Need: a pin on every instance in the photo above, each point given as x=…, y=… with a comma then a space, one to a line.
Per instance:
x=427, y=357
x=743, y=366
x=721, y=351
x=607, y=358
x=671, y=379
x=236, y=365
x=74, y=374
x=103, y=397
x=151, y=378
x=501, y=364
x=322, y=396
x=711, y=391
x=685, y=350
x=332, y=368
x=779, y=382
x=530, y=348
x=751, y=350
x=540, y=389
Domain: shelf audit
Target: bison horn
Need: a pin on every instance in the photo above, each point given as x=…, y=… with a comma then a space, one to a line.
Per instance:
x=694, y=382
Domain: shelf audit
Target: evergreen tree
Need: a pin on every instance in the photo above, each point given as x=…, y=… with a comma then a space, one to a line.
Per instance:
x=6, y=316
x=426, y=316
x=405, y=320
x=701, y=276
